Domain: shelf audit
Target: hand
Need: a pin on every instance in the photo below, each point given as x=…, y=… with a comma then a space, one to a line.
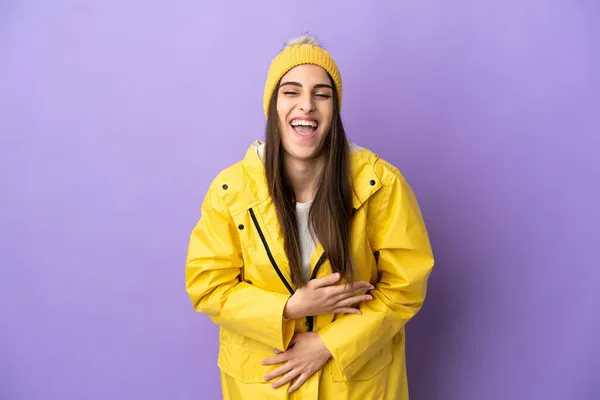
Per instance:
x=306, y=356
x=324, y=296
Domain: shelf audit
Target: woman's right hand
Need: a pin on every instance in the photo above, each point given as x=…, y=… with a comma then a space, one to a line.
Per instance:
x=324, y=296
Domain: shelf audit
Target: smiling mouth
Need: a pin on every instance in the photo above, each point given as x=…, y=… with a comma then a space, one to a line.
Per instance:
x=304, y=127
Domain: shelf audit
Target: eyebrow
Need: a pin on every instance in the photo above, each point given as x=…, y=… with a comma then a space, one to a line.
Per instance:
x=318, y=85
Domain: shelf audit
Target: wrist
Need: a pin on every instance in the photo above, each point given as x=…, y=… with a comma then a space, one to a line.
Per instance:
x=291, y=310
x=324, y=350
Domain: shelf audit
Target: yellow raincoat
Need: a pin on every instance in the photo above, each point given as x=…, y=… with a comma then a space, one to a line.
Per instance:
x=237, y=274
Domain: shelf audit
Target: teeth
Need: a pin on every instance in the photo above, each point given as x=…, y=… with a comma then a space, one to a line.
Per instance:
x=301, y=122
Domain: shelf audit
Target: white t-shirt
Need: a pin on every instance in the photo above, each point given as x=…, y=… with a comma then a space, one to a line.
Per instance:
x=307, y=243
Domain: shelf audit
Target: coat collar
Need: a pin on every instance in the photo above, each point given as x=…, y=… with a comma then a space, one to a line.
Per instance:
x=365, y=181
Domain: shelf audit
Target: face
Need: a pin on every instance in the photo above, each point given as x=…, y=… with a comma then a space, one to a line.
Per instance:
x=305, y=110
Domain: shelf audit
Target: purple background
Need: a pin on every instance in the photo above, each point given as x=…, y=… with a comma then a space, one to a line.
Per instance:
x=115, y=116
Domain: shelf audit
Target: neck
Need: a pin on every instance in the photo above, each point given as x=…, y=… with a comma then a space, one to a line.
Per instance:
x=304, y=176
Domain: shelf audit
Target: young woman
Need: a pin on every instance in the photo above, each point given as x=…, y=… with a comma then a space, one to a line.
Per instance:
x=311, y=253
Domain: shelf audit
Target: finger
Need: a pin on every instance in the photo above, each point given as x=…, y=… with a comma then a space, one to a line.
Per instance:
x=359, y=286
x=326, y=281
x=348, y=310
x=354, y=300
x=361, y=289
x=277, y=351
x=301, y=379
x=356, y=287
x=286, y=378
x=351, y=289
x=278, y=359
x=278, y=371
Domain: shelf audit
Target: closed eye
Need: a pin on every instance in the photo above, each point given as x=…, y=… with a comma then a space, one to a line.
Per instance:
x=323, y=95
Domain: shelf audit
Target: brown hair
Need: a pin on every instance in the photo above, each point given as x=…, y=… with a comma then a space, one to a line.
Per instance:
x=331, y=210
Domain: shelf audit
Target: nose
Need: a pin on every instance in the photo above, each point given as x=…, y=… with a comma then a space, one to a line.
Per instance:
x=307, y=104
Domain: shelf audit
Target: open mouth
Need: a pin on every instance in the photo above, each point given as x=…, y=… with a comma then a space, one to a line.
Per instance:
x=304, y=127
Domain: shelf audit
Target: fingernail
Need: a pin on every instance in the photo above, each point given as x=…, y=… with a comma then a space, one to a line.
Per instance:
x=369, y=297
x=371, y=287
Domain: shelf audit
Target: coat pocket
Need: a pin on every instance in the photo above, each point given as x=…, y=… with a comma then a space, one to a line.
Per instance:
x=243, y=364
x=368, y=371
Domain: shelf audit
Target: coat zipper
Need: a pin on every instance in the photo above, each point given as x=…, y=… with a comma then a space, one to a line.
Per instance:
x=310, y=318
x=269, y=254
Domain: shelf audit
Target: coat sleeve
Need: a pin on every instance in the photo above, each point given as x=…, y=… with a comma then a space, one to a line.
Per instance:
x=213, y=270
x=398, y=235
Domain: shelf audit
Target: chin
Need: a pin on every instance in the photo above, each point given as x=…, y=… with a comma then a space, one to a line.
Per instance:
x=303, y=153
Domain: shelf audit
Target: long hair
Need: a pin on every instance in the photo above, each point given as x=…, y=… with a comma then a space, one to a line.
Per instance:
x=331, y=210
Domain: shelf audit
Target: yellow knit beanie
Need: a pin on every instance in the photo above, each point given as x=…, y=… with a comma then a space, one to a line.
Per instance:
x=301, y=50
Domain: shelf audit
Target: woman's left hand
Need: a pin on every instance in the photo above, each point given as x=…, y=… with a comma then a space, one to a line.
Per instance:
x=306, y=356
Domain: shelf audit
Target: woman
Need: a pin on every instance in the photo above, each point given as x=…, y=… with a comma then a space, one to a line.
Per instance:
x=311, y=253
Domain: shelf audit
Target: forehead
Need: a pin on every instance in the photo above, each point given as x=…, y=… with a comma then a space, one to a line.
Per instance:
x=307, y=74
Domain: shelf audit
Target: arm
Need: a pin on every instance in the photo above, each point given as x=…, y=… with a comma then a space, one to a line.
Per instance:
x=213, y=283
x=397, y=232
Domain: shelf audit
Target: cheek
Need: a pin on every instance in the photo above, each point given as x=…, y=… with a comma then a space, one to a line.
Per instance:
x=326, y=128
x=282, y=130
x=284, y=106
x=280, y=112
x=327, y=114
x=327, y=124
